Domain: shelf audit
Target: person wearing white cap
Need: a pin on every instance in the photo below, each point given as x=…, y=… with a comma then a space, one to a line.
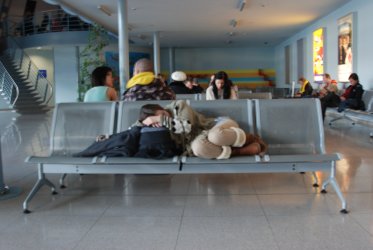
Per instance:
x=177, y=84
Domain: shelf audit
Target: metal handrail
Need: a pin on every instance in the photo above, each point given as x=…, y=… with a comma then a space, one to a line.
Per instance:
x=44, y=22
x=7, y=85
x=31, y=71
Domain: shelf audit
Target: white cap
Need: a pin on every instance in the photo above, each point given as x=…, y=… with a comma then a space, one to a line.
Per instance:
x=178, y=76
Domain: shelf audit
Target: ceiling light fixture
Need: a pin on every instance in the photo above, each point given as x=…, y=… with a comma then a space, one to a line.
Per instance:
x=241, y=4
x=104, y=9
x=233, y=23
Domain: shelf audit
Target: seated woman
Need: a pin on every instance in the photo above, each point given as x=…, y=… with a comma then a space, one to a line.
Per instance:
x=305, y=89
x=102, y=86
x=175, y=130
x=352, y=97
x=221, y=88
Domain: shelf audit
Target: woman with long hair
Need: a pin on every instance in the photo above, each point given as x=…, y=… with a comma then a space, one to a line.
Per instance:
x=221, y=88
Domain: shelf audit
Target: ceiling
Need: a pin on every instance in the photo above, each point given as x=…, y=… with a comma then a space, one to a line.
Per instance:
x=206, y=23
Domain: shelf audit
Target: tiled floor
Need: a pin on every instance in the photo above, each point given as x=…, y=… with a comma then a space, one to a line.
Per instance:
x=237, y=211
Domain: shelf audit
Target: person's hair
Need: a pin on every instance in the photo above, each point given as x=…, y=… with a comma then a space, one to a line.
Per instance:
x=354, y=76
x=143, y=65
x=189, y=79
x=149, y=110
x=221, y=75
x=327, y=76
x=302, y=79
x=98, y=76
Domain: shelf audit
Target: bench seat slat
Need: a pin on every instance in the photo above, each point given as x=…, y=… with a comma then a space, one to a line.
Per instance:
x=60, y=160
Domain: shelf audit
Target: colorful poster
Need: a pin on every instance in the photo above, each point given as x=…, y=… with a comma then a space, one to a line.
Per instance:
x=345, y=53
x=318, y=55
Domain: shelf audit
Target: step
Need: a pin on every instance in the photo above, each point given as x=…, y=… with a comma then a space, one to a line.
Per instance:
x=32, y=110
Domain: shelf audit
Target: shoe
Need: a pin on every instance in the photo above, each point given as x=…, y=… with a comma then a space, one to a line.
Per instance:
x=251, y=149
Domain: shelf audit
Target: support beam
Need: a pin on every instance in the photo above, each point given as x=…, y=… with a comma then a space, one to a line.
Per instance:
x=5, y=191
x=171, y=59
x=157, y=52
x=123, y=44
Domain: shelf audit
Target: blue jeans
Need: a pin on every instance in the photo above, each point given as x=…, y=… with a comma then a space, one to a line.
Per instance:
x=348, y=103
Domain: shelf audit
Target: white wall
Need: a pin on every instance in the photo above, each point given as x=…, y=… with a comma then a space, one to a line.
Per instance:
x=66, y=74
x=43, y=59
x=364, y=40
x=219, y=58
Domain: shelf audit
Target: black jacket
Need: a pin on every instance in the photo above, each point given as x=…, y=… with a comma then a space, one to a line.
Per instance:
x=144, y=142
x=356, y=93
x=307, y=91
x=125, y=143
x=180, y=88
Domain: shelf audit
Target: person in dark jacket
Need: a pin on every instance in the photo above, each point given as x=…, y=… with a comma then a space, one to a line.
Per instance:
x=352, y=97
x=192, y=84
x=144, y=85
x=305, y=88
x=177, y=84
x=139, y=141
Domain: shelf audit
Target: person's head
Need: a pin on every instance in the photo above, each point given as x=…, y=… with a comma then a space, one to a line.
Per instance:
x=326, y=78
x=354, y=79
x=221, y=82
x=151, y=110
x=178, y=76
x=302, y=80
x=143, y=65
x=102, y=76
x=189, y=82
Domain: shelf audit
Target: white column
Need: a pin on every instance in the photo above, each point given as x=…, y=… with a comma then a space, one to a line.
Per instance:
x=171, y=59
x=123, y=44
x=157, y=52
x=66, y=74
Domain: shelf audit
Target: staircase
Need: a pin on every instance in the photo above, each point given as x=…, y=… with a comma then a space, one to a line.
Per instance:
x=35, y=91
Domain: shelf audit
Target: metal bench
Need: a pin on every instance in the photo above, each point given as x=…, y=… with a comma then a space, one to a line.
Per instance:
x=364, y=117
x=296, y=142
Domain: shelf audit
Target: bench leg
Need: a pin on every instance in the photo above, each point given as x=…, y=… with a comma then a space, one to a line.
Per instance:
x=336, y=187
x=39, y=183
x=342, y=117
x=62, y=181
x=315, y=180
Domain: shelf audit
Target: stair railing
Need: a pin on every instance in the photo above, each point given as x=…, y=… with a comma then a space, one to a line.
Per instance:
x=8, y=88
x=39, y=82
